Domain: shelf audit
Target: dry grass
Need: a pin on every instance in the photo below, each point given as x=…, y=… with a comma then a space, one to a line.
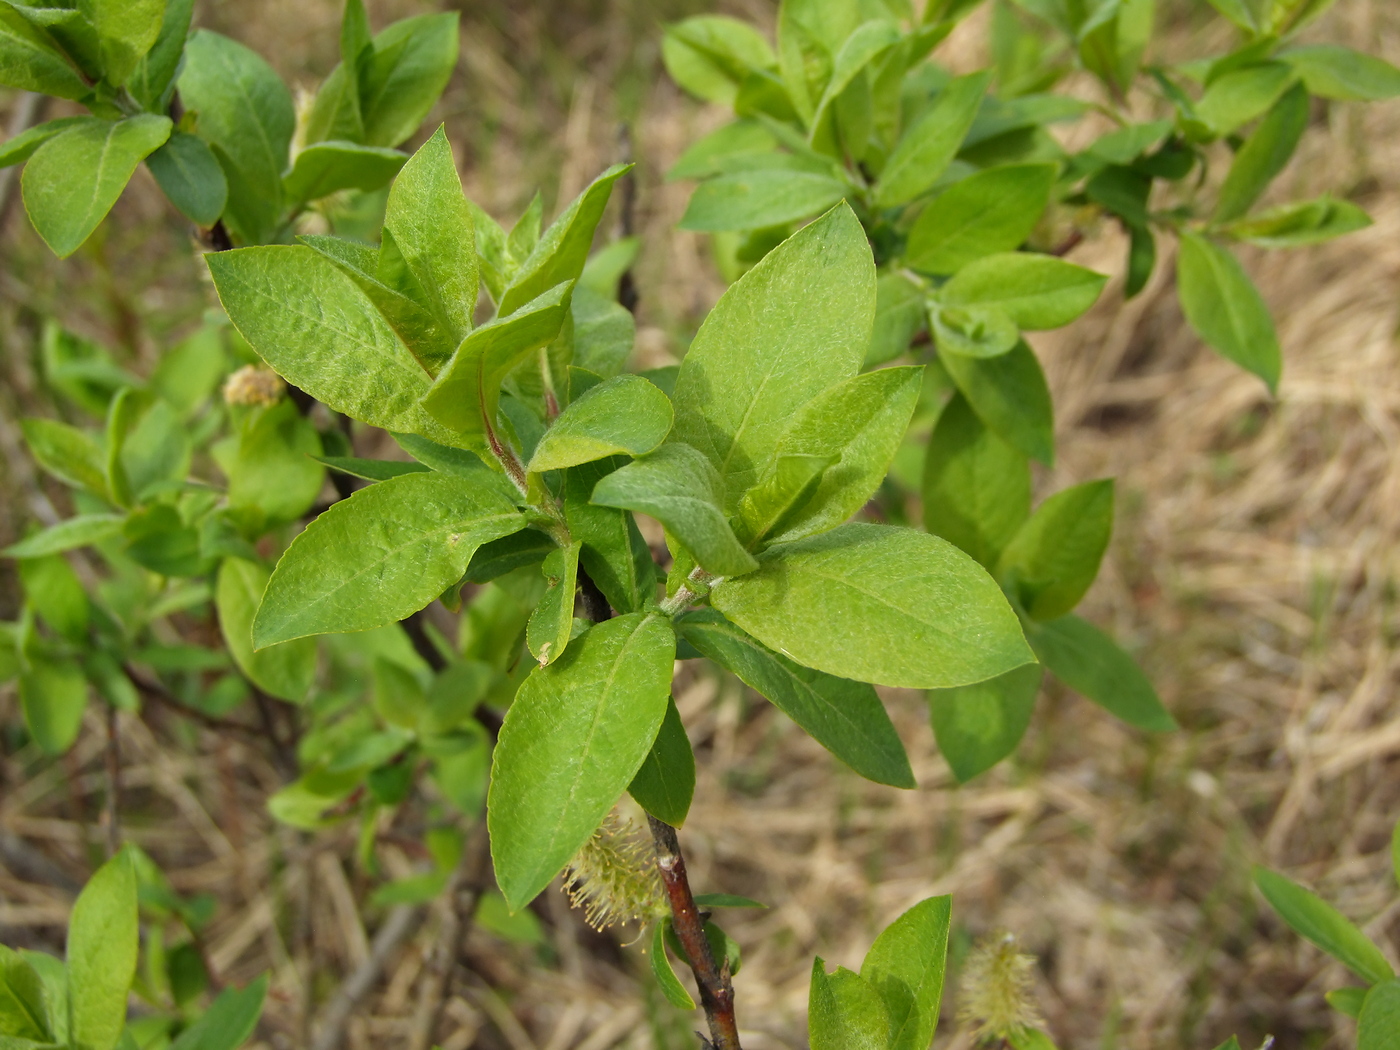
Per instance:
x=1252, y=572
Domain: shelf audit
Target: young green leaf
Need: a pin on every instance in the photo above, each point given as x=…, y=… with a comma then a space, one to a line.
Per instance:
x=671, y=986
x=72, y=181
x=1091, y=663
x=324, y=168
x=126, y=30
x=845, y=1012
x=69, y=454
x=1035, y=291
x=190, y=175
x=980, y=724
x=1239, y=96
x=1323, y=925
x=151, y=82
x=976, y=487
x=53, y=696
x=23, y=1013
x=992, y=211
x=66, y=535
x=228, y=1022
x=906, y=966
x=552, y=622
x=562, y=250
x=1225, y=309
x=758, y=199
x=246, y=115
x=878, y=604
x=845, y=717
x=678, y=487
x=665, y=783
x=429, y=223
x=285, y=671
x=467, y=391
x=971, y=331
x=711, y=55
x=623, y=416
x=926, y=149
x=29, y=61
x=1055, y=556
x=382, y=554
x=573, y=739
x=793, y=326
x=317, y=329
x=1264, y=154
x=1009, y=393
x=1340, y=73
x=103, y=938
x=1378, y=1027
x=1294, y=225
x=273, y=469
x=19, y=148
x=857, y=425
x=402, y=74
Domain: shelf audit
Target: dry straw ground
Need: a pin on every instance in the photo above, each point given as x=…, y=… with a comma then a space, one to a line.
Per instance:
x=1252, y=571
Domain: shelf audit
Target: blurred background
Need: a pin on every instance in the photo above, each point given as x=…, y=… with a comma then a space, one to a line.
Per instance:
x=1253, y=573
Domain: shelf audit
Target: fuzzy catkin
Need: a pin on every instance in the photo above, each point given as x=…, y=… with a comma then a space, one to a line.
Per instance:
x=996, y=990
x=613, y=878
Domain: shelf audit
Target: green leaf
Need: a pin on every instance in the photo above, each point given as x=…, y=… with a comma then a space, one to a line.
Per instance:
x=991, y=211
x=1091, y=663
x=1238, y=97
x=52, y=588
x=72, y=181
x=552, y=622
x=103, y=938
x=1010, y=395
x=66, y=535
x=127, y=29
x=1293, y=225
x=324, y=168
x=856, y=426
x=465, y=395
x=428, y=222
x=380, y=555
x=53, y=697
x=878, y=604
x=976, y=487
x=190, y=175
x=845, y=717
x=711, y=55
x=707, y=155
x=980, y=724
x=1348, y=1001
x=845, y=1012
x=19, y=148
x=1340, y=73
x=229, y=1021
x=1035, y=291
x=1317, y=921
x=246, y=114
x=563, y=249
x=285, y=671
x=622, y=416
x=150, y=83
x=412, y=61
x=671, y=986
x=678, y=487
x=899, y=314
x=1264, y=154
x=614, y=553
x=1055, y=556
x=29, y=60
x=335, y=112
x=971, y=331
x=1225, y=309
x=371, y=469
x=573, y=739
x=906, y=966
x=925, y=150
x=1379, y=1025
x=69, y=454
x=318, y=330
x=665, y=783
x=23, y=1014
x=273, y=469
x=796, y=324
x=757, y=199
x=54, y=978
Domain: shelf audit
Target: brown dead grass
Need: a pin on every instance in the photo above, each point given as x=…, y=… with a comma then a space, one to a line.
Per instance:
x=1252, y=572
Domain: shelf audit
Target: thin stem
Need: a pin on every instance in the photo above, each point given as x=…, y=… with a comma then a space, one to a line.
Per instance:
x=684, y=596
x=716, y=990
x=114, y=783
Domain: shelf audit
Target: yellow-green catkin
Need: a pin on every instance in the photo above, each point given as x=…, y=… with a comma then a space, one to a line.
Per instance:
x=613, y=878
x=996, y=990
